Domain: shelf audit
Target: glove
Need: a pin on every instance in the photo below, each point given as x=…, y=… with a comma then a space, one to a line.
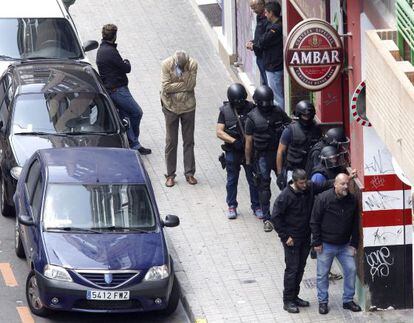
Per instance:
x=280, y=181
x=238, y=144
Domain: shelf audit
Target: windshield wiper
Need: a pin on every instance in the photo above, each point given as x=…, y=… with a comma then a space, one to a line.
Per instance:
x=118, y=228
x=36, y=133
x=73, y=229
x=79, y=133
x=9, y=58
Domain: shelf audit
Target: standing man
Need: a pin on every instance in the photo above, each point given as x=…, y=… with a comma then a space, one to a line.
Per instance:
x=272, y=45
x=296, y=142
x=290, y=217
x=113, y=71
x=230, y=129
x=335, y=233
x=178, y=80
x=264, y=127
x=261, y=23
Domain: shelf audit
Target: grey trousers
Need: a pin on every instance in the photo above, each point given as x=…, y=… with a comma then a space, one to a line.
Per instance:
x=172, y=121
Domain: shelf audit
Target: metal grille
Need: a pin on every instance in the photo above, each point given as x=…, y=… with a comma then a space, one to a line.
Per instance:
x=213, y=13
x=117, y=279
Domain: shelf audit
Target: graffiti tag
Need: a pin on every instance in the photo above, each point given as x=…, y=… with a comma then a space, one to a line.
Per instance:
x=377, y=166
x=380, y=200
x=380, y=262
x=377, y=182
x=386, y=237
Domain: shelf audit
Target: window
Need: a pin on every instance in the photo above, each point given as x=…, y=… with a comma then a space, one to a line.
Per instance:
x=36, y=200
x=32, y=179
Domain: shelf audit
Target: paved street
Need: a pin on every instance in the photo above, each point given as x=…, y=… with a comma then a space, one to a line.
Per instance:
x=229, y=271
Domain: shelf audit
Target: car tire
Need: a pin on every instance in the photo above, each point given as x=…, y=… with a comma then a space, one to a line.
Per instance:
x=18, y=245
x=33, y=298
x=173, y=300
x=6, y=209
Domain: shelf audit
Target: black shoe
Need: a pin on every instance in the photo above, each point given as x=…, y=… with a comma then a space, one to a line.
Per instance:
x=323, y=308
x=352, y=306
x=313, y=254
x=301, y=303
x=144, y=151
x=291, y=307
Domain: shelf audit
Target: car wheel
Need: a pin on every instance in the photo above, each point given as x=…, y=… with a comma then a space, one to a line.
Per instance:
x=33, y=296
x=173, y=300
x=6, y=210
x=18, y=245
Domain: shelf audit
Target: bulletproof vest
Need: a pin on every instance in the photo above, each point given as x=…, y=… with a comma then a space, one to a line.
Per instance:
x=329, y=173
x=231, y=125
x=267, y=129
x=313, y=156
x=302, y=141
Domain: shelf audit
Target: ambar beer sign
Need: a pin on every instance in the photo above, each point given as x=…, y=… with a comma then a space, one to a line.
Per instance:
x=314, y=54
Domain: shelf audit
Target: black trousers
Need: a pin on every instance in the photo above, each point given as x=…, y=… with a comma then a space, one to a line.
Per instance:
x=295, y=259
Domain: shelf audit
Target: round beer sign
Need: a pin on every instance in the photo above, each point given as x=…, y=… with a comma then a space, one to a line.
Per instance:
x=314, y=54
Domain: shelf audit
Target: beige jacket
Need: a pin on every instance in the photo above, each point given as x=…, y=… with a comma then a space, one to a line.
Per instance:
x=177, y=93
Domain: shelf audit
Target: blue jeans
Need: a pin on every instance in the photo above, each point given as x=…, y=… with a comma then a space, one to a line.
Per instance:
x=344, y=254
x=128, y=108
x=265, y=162
x=260, y=65
x=275, y=80
x=233, y=163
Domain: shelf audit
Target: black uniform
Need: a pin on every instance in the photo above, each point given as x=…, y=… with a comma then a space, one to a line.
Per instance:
x=266, y=129
x=290, y=217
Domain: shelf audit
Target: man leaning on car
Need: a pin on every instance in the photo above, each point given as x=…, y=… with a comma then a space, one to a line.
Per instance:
x=113, y=69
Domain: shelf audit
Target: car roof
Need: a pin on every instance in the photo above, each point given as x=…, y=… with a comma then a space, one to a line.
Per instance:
x=52, y=76
x=92, y=165
x=31, y=9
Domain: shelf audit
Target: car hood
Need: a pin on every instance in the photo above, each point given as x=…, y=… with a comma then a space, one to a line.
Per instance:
x=134, y=251
x=25, y=145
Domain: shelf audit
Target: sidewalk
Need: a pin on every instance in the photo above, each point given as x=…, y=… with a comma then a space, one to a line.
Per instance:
x=229, y=271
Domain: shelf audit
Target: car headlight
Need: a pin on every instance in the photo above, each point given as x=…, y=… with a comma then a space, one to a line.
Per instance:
x=157, y=273
x=56, y=272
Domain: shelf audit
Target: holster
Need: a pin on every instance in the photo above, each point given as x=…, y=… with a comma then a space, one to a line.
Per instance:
x=222, y=160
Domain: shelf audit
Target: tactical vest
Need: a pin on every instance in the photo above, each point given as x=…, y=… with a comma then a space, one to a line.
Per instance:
x=313, y=156
x=302, y=141
x=267, y=129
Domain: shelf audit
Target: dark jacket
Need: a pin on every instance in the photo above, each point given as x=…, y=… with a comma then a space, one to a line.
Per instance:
x=335, y=220
x=261, y=24
x=292, y=211
x=272, y=45
x=112, y=68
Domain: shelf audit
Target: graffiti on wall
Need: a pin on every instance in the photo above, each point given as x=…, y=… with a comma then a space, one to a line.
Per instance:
x=380, y=261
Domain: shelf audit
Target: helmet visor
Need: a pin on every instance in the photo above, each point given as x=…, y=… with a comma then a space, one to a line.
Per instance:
x=334, y=161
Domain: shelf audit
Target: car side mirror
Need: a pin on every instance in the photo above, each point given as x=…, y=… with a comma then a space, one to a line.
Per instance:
x=90, y=45
x=25, y=220
x=171, y=221
x=125, y=124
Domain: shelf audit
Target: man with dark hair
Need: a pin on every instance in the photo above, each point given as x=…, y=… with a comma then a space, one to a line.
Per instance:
x=272, y=45
x=261, y=23
x=113, y=69
x=335, y=233
x=290, y=218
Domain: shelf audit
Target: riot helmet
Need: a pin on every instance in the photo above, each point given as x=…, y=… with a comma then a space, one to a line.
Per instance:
x=336, y=137
x=263, y=97
x=331, y=157
x=236, y=93
x=305, y=112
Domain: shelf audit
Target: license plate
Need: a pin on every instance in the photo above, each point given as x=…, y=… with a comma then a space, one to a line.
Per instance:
x=107, y=295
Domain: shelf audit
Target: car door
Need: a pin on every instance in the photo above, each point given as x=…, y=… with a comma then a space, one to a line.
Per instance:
x=32, y=205
x=6, y=95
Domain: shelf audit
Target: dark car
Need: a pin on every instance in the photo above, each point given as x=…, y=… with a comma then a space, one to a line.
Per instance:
x=51, y=104
x=88, y=224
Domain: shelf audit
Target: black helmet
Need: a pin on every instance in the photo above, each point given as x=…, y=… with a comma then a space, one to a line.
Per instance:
x=331, y=157
x=305, y=107
x=236, y=93
x=336, y=137
x=263, y=96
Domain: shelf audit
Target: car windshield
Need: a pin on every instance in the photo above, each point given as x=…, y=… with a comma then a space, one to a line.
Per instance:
x=25, y=38
x=62, y=113
x=122, y=207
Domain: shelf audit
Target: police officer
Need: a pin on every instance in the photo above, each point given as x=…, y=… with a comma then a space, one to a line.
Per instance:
x=332, y=162
x=333, y=137
x=264, y=127
x=296, y=142
x=230, y=129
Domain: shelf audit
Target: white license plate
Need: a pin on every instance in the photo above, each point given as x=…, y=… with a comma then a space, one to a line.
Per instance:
x=107, y=295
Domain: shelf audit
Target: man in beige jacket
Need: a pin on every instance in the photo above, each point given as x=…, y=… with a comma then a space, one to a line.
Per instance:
x=178, y=80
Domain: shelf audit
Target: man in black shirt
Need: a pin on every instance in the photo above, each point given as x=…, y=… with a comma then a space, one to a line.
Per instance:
x=290, y=218
x=261, y=23
x=230, y=129
x=113, y=69
x=335, y=233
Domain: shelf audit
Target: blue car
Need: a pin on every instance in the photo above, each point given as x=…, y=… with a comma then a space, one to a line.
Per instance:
x=88, y=224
